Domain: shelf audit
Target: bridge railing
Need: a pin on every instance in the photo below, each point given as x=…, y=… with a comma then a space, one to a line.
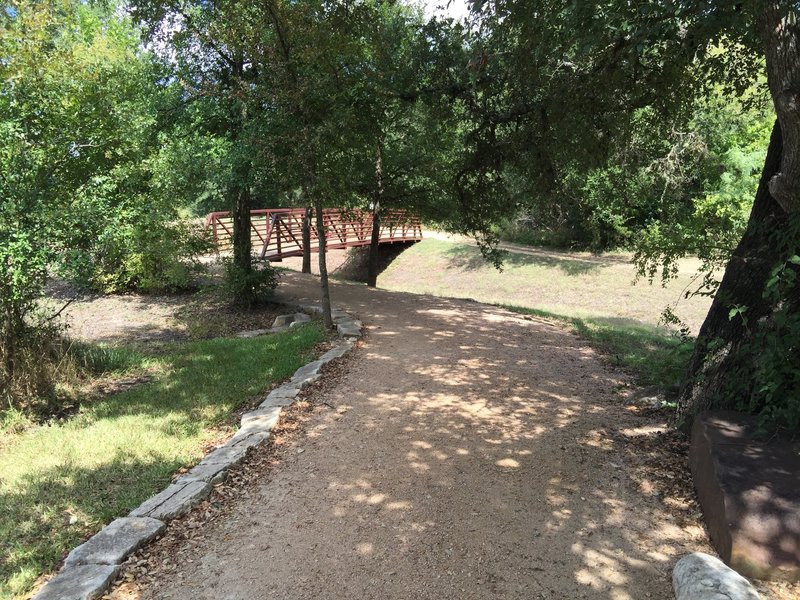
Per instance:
x=278, y=233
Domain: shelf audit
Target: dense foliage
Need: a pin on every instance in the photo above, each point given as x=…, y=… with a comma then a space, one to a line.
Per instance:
x=598, y=125
x=663, y=190
x=83, y=186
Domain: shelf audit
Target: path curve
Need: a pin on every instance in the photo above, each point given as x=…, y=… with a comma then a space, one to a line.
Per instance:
x=472, y=453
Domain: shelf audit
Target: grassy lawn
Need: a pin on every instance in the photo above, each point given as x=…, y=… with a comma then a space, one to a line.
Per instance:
x=576, y=284
x=63, y=481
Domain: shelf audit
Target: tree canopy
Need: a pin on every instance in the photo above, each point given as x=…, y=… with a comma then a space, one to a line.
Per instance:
x=610, y=124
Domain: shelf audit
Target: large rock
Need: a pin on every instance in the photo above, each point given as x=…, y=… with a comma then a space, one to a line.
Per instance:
x=750, y=493
x=699, y=576
x=262, y=419
x=112, y=544
x=83, y=582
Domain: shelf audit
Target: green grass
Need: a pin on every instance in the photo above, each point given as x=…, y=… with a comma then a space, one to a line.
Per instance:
x=566, y=283
x=63, y=481
x=653, y=356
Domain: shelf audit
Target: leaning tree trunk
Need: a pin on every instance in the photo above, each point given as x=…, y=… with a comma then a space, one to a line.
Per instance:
x=719, y=372
x=721, y=336
x=374, y=250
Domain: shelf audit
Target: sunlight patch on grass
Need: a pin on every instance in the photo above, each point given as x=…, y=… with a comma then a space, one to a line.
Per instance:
x=569, y=283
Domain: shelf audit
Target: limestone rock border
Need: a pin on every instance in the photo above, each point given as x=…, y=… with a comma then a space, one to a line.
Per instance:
x=90, y=568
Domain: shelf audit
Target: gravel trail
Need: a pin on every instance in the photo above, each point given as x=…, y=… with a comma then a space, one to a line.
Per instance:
x=469, y=453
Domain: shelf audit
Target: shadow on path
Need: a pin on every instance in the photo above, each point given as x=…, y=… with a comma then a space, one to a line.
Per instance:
x=470, y=454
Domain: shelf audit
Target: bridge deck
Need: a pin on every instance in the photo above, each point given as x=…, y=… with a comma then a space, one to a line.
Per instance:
x=277, y=233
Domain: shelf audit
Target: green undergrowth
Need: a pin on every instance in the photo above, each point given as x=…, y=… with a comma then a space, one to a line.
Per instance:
x=62, y=481
x=655, y=357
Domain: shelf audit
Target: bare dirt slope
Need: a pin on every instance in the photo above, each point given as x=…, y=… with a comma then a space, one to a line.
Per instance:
x=470, y=453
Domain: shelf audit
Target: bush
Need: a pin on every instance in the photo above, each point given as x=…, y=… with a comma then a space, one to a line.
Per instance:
x=250, y=287
x=140, y=252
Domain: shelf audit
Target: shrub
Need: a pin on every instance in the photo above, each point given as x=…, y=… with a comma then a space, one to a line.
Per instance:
x=140, y=252
x=249, y=287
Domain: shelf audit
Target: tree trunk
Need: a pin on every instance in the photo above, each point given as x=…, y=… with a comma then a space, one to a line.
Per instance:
x=307, y=241
x=374, y=251
x=720, y=372
x=780, y=32
x=242, y=244
x=240, y=187
x=706, y=384
x=323, y=266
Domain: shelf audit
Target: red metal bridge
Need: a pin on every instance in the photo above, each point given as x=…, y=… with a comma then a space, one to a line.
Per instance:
x=278, y=232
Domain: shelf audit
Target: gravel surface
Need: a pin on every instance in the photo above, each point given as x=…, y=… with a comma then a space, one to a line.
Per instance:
x=465, y=452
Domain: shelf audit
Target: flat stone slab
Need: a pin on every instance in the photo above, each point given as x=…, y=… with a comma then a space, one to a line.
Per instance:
x=282, y=396
x=112, y=544
x=79, y=582
x=336, y=352
x=175, y=500
x=700, y=576
x=211, y=473
x=305, y=371
x=263, y=419
x=750, y=493
x=282, y=321
x=307, y=380
x=227, y=455
x=311, y=308
x=245, y=439
x=349, y=328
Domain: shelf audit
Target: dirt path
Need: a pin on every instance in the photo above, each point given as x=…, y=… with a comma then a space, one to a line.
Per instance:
x=470, y=453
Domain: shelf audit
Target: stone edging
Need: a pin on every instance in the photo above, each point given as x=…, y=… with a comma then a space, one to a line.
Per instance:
x=90, y=568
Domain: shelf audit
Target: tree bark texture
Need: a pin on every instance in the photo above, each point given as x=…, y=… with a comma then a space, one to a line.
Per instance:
x=242, y=244
x=239, y=190
x=312, y=194
x=780, y=31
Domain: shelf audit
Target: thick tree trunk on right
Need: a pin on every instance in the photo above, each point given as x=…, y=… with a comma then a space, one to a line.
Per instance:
x=721, y=371
x=721, y=336
x=780, y=31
